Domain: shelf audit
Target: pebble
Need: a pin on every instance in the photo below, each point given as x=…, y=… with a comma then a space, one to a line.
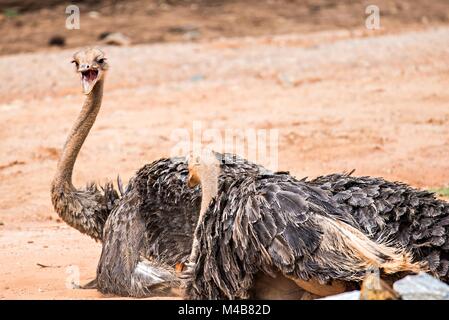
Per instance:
x=422, y=287
x=116, y=39
x=94, y=14
x=57, y=41
x=352, y=295
x=414, y=287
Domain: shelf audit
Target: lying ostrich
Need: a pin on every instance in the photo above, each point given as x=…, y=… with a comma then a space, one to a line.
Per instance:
x=152, y=222
x=416, y=219
x=267, y=223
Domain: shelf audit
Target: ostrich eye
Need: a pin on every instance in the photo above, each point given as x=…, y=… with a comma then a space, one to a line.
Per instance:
x=75, y=62
x=100, y=61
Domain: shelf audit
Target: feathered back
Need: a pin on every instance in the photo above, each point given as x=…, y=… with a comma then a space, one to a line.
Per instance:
x=155, y=218
x=275, y=223
x=413, y=218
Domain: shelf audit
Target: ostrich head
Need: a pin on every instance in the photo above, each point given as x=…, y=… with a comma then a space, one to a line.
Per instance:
x=91, y=64
x=202, y=167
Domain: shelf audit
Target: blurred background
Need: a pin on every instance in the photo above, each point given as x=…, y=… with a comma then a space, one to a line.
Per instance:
x=32, y=25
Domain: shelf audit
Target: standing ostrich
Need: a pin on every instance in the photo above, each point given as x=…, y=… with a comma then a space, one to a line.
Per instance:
x=154, y=219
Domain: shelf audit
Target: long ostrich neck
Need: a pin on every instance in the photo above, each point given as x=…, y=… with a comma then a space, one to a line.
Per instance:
x=78, y=135
x=85, y=210
x=209, y=188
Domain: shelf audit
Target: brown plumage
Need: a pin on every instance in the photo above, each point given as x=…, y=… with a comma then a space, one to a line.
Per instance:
x=88, y=209
x=147, y=230
x=151, y=225
x=274, y=223
x=413, y=218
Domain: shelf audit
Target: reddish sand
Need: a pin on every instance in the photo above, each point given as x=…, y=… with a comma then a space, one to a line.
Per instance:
x=341, y=100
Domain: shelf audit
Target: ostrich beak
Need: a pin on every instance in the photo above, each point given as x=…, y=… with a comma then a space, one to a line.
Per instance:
x=192, y=180
x=89, y=77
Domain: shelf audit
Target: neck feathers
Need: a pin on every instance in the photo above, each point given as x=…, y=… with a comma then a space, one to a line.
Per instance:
x=78, y=135
x=209, y=184
x=85, y=210
x=208, y=172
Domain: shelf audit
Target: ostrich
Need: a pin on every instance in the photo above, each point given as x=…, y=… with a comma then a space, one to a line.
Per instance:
x=147, y=230
x=267, y=223
x=85, y=210
x=152, y=222
x=416, y=219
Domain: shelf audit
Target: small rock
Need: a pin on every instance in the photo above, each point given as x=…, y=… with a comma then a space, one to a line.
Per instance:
x=191, y=35
x=197, y=77
x=73, y=285
x=94, y=14
x=18, y=23
x=103, y=35
x=30, y=241
x=58, y=41
x=1, y=223
x=183, y=29
x=286, y=80
x=422, y=287
x=352, y=295
x=115, y=38
x=164, y=6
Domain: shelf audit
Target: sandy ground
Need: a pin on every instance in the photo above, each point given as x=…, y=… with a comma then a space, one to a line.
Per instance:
x=28, y=25
x=340, y=99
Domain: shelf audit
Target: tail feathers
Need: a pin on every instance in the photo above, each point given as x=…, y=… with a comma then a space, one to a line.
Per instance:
x=366, y=253
x=90, y=285
x=150, y=279
x=153, y=275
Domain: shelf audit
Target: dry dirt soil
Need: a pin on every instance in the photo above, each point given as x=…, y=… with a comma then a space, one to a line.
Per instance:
x=27, y=25
x=342, y=99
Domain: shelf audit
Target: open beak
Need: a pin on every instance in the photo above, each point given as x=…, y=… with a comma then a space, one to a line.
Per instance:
x=192, y=180
x=89, y=77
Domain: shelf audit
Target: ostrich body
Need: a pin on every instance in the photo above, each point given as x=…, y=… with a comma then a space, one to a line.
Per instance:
x=273, y=223
x=154, y=220
x=147, y=230
x=152, y=223
x=415, y=219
